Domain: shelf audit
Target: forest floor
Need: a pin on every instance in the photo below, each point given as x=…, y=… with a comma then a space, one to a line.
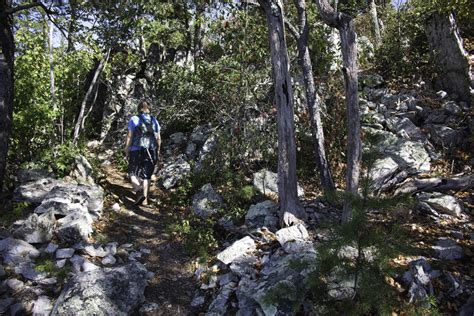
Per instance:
x=172, y=287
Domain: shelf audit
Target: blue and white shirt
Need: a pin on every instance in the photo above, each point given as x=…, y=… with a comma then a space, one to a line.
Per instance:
x=135, y=122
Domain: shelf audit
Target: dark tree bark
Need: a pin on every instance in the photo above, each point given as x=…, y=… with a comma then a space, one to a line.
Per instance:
x=312, y=99
x=291, y=210
x=7, y=49
x=80, y=118
x=456, y=75
x=442, y=184
x=345, y=24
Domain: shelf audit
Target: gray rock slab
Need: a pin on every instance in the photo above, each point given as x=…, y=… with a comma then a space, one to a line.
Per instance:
x=51, y=248
x=108, y=291
x=262, y=214
x=219, y=305
x=75, y=227
x=14, y=284
x=173, y=172
x=35, y=191
x=292, y=233
x=448, y=249
x=31, y=175
x=442, y=203
x=206, y=202
x=266, y=182
x=64, y=253
x=35, y=229
x=15, y=251
x=238, y=249
x=42, y=306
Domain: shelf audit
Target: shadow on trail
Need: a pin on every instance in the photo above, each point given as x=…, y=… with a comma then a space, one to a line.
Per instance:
x=173, y=285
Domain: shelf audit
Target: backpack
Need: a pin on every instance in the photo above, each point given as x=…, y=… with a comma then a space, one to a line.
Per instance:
x=144, y=135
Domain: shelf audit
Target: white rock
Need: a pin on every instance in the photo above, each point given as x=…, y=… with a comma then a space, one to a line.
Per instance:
x=116, y=207
x=296, y=232
x=238, y=249
x=109, y=260
x=14, y=284
x=61, y=263
x=64, y=253
x=51, y=248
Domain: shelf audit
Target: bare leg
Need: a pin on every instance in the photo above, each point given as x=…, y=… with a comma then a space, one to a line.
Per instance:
x=146, y=184
x=135, y=183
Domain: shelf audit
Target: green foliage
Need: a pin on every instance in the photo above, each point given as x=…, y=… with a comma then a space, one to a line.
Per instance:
x=198, y=235
x=47, y=264
x=60, y=159
x=19, y=210
x=358, y=252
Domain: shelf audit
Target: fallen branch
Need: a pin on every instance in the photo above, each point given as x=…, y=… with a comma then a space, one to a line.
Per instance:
x=441, y=184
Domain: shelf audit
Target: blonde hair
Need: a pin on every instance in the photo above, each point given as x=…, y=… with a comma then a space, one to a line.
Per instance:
x=143, y=107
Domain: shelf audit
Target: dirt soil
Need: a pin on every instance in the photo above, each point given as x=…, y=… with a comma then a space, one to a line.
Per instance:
x=173, y=285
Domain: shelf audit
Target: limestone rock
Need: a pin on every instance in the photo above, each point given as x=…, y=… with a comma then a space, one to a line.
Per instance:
x=83, y=170
x=35, y=229
x=35, y=191
x=262, y=214
x=206, y=202
x=42, y=306
x=267, y=183
x=64, y=253
x=31, y=175
x=75, y=227
x=448, y=249
x=446, y=136
x=108, y=291
x=442, y=203
x=14, y=251
x=219, y=305
x=238, y=249
x=173, y=172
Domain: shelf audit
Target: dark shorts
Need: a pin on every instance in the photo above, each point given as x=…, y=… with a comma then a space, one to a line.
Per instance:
x=141, y=163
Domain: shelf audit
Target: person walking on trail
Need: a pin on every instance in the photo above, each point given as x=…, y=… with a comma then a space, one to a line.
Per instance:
x=142, y=148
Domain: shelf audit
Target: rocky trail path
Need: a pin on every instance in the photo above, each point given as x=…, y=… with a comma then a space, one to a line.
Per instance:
x=172, y=287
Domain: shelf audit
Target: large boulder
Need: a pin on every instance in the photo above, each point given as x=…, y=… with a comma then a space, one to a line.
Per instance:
x=108, y=291
x=36, y=228
x=68, y=198
x=295, y=239
x=262, y=214
x=266, y=182
x=237, y=250
x=15, y=251
x=281, y=284
x=35, y=191
x=74, y=227
x=441, y=203
x=83, y=170
x=206, y=202
x=173, y=172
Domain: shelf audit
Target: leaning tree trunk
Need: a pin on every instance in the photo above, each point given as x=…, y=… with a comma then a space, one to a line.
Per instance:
x=313, y=102
x=7, y=46
x=290, y=209
x=375, y=21
x=345, y=25
x=51, y=65
x=456, y=75
x=80, y=117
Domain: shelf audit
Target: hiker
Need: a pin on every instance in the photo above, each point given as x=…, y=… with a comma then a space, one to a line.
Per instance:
x=142, y=149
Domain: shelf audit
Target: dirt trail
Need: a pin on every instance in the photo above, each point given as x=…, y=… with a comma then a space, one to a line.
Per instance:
x=173, y=285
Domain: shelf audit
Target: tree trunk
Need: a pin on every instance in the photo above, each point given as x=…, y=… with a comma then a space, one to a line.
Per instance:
x=375, y=20
x=312, y=99
x=51, y=65
x=442, y=184
x=80, y=117
x=72, y=26
x=345, y=25
x=6, y=85
x=291, y=210
x=456, y=75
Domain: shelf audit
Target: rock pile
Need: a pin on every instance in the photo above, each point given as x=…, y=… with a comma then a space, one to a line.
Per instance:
x=50, y=248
